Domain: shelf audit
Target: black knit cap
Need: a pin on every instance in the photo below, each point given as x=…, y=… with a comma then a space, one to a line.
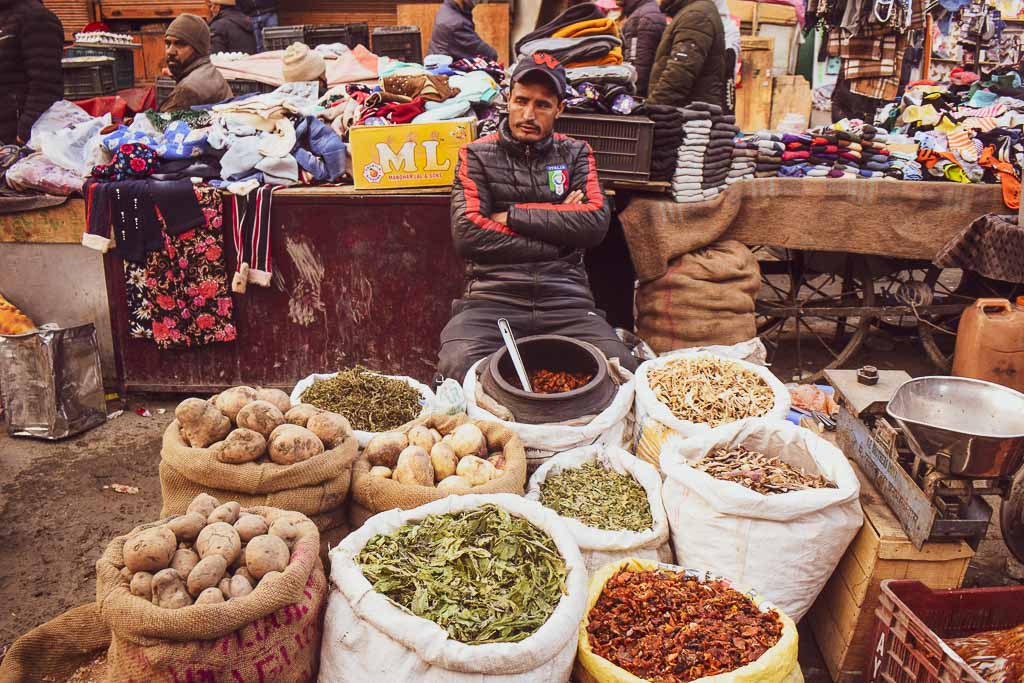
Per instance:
x=543, y=63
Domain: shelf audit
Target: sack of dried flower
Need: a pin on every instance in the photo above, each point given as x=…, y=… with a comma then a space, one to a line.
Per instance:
x=530, y=638
x=612, y=426
x=784, y=544
x=610, y=500
x=756, y=632
x=694, y=393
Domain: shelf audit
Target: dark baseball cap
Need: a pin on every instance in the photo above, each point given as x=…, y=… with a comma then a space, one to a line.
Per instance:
x=542, y=63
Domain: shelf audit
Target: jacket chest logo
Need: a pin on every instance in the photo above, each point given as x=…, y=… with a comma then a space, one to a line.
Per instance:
x=558, y=178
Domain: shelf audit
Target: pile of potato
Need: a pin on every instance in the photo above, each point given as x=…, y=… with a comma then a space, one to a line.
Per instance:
x=455, y=462
x=244, y=424
x=211, y=554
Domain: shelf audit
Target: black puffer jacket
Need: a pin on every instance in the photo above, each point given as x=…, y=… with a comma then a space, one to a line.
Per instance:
x=455, y=35
x=231, y=31
x=641, y=35
x=690, y=63
x=31, y=47
x=537, y=257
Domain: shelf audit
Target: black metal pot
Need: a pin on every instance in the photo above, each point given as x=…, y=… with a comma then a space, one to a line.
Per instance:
x=550, y=352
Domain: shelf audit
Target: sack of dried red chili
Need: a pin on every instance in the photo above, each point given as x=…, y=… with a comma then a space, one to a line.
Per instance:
x=647, y=621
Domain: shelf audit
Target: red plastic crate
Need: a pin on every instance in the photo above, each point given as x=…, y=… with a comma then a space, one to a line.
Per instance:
x=913, y=620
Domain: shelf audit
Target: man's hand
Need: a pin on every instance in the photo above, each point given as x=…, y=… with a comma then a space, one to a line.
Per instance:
x=575, y=197
x=501, y=217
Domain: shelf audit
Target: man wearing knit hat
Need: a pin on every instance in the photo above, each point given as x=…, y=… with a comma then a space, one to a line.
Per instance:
x=300, y=64
x=187, y=47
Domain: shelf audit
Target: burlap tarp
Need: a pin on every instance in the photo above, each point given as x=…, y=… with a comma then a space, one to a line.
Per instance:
x=371, y=495
x=705, y=298
x=52, y=651
x=992, y=246
x=890, y=218
x=271, y=635
x=317, y=487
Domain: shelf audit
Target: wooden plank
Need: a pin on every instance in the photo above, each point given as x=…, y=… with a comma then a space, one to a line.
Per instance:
x=133, y=9
x=791, y=95
x=150, y=59
x=73, y=14
x=492, y=23
x=754, y=92
x=62, y=224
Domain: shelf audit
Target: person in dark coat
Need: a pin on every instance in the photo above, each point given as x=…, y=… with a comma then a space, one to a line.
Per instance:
x=641, y=35
x=526, y=203
x=262, y=14
x=455, y=35
x=187, y=49
x=689, y=65
x=31, y=79
x=230, y=29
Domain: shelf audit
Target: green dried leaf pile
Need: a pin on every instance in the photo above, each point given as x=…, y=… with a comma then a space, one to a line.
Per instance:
x=599, y=497
x=370, y=401
x=483, y=575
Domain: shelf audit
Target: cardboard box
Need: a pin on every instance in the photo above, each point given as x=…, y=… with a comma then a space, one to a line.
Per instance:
x=408, y=156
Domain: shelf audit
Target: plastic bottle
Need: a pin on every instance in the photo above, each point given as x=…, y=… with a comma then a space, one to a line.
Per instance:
x=990, y=342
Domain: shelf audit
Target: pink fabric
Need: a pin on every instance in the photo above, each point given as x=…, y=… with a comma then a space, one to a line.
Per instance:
x=356, y=65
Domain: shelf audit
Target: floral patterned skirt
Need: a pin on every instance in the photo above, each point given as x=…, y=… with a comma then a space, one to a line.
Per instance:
x=179, y=297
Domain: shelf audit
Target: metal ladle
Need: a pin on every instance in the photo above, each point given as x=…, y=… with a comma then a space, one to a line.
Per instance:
x=513, y=352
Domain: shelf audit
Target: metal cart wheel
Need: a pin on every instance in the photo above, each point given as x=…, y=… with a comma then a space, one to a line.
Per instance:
x=813, y=315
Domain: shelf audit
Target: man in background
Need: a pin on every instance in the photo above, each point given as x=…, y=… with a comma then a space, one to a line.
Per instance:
x=230, y=29
x=455, y=35
x=187, y=47
x=262, y=14
x=641, y=35
x=31, y=79
x=689, y=65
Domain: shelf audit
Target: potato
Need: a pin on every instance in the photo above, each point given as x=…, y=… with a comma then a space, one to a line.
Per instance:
x=414, y=468
x=219, y=538
x=213, y=400
x=234, y=399
x=437, y=435
x=250, y=526
x=420, y=436
x=204, y=504
x=169, y=590
x=330, y=428
x=242, y=445
x=285, y=529
x=210, y=596
x=245, y=572
x=184, y=561
x=475, y=470
x=384, y=449
x=225, y=587
x=142, y=585
x=290, y=444
x=240, y=586
x=201, y=423
x=444, y=460
x=260, y=416
x=498, y=460
x=469, y=440
x=454, y=484
x=228, y=512
x=276, y=397
x=187, y=526
x=300, y=414
x=150, y=550
x=266, y=554
x=206, y=574
x=380, y=471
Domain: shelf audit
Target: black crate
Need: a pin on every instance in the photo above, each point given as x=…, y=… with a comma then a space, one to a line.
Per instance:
x=398, y=42
x=86, y=79
x=124, y=62
x=164, y=86
x=621, y=144
x=242, y=86
x=280, y=37
x=359, y=34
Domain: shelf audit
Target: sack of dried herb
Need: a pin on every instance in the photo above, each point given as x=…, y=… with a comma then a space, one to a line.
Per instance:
x=369, y=637
x=609, y=499
x=786, y=545
x=653, y=616
x=612, y=426
x=368, y=411
x=371, y=494
x=694, y=393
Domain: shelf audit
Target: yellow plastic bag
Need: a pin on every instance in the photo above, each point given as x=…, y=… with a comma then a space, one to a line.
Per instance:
x=777, y=665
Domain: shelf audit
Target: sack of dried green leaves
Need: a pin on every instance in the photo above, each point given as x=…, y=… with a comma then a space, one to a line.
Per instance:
x=785, y=545
x=530, y=639
x=609, y=499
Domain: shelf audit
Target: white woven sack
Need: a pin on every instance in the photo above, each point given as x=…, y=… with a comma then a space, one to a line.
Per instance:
x=426, y=395
x=367, y=637
x=784, y=545
x=601, y=546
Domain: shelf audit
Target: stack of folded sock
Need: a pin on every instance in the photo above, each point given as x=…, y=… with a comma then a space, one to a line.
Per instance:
x=688, y=179
x=796, y=155
x=744, y=160
x=875, y=156
x=903, y=166
x=769, y=154
x=668, y=135
x=718, y=162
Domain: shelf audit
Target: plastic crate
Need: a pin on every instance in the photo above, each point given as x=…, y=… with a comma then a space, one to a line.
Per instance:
x=621, y=144
x=398, y=42
x=346, y=34
x=912, y=621
x=280, y=37
x=359, y=34
x=124, y=62
x=242, y=86
x=164, y=86
x=87, y=79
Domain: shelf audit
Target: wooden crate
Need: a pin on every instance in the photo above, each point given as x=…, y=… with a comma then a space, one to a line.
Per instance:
x=754, y=91
x=843, y=617
x=73, y=14
x=133, y=9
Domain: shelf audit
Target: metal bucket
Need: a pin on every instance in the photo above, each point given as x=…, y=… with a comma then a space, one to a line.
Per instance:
x=964, y=427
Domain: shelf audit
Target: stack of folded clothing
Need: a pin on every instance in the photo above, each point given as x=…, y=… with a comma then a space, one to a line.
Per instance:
x=688, y=179
x=874, y=161
x=718, y=162
x=796, y=155
x=579, y=37
x=904, y=166
x=744, y=160
x=769, y=154
x=668, y=135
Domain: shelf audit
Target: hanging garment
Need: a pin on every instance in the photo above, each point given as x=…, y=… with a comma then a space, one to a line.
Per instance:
x=251, y=231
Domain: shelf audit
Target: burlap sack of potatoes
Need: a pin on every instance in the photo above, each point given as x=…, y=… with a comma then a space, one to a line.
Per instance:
x=371, y=495
x=271, y=635
x=318, y=487
x=52, y=651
